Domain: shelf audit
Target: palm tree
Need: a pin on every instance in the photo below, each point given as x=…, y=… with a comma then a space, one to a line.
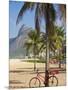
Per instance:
x=55, y=41
x=62, y=8
x=63, y=11
x=32, y=42
x=46, y=12
x=27, y=45
x=59, y=39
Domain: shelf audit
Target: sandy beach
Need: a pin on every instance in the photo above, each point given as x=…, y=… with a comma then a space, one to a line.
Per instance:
x=21, y=73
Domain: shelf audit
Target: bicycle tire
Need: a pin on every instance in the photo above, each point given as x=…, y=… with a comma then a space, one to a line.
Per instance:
x=35, y=83
x=53, y=81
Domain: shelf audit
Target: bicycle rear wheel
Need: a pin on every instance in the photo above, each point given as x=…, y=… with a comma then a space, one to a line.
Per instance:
x=34, y=82
x=53, y=81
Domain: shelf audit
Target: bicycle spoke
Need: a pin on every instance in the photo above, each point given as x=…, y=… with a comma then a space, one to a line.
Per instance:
x=34, y=82
x=53, y=81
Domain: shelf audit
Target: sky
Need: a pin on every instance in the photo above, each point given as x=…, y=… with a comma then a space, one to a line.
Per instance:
x=14, y=8
x=28, y=19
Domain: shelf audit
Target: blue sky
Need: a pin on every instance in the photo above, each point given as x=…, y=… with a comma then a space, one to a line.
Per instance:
x=14, y=8
x=28, y=19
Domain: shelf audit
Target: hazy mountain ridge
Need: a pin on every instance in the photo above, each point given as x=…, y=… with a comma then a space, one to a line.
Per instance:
x=16, y=45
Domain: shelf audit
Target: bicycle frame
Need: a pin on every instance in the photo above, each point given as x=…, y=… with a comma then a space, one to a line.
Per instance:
x=40, y=77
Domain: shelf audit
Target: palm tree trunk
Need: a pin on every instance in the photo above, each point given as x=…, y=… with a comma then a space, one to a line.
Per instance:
x=47, y=20
x=54, y=53
x=27, y=51
x=59, y=59
x=34, y=59
x=47, y=65
x=34, y=63
x=59, y=63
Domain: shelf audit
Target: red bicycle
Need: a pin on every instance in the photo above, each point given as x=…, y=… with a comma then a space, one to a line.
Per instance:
x=36, y=81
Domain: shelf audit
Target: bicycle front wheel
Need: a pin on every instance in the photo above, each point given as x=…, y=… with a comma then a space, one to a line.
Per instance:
x=34, y=82
x=53, y=81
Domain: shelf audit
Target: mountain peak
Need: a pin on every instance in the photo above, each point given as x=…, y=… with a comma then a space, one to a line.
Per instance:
x=24, y=29
x=16, y=44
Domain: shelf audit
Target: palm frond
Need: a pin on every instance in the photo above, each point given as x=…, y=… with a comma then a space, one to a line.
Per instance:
x=52, y=12
x=37, y=25
x=25, y=7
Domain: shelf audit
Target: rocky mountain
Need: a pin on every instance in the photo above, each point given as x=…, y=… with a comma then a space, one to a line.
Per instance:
x=16, y=45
